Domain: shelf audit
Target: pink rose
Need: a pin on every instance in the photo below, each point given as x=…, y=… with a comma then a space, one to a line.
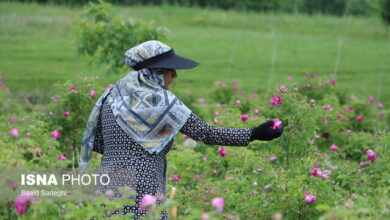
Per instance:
x=176, y=177
x=371, y=155
x=371, y=99
x=273, y=159
x=205, y=216
x=73, y=89
x=309, y=198
x=275, y=100
x=222, y=151
x=61, y=157
x=244, y=117
x=282, y=88
x=328, y=107
x=14, y=132
x=92, y=94
x=277, y=124
x=334, y=147
x=218, y=203
x=110, y=193
x=65, y=113
x=22, y=201
x=56, y=134
x=314, y=172
x=148, y=202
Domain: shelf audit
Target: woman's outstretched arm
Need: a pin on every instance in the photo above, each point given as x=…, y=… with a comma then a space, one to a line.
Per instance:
x=199, y=130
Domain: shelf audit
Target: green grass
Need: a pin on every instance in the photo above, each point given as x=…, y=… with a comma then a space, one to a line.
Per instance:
x=36, y=49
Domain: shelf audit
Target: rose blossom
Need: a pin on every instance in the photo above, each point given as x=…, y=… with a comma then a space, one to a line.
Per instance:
x=176, y=177
x=148, y=202
x=309, y=198
x=334, y=147
x=371, y=99
x=273, y=159
x=277, y=124
x=110, y=193
x=314, y=172
x=371, y=155
x=73, y=89
x=61, y=157
x=14, y=132
x=22, y=200
x=278, y=215
x=244, y=117
x=205, y=216
x=328, y=107
x=275, y=100
x=218, y=203
x=222, y=151
x=92, y=94
x=282, y=88
x=348, y=109
x=56, y=134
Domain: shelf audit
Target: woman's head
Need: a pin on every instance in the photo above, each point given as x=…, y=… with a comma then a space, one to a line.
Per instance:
x=169, y=75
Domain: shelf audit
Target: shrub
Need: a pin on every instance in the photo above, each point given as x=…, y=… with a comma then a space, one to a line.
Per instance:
x=106, y=37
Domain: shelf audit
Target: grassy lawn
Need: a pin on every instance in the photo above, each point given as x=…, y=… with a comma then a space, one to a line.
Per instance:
x=36, y=49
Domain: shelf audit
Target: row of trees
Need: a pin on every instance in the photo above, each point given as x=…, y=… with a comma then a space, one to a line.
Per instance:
x=331, y=7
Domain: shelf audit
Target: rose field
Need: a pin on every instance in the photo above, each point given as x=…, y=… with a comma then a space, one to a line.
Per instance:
x=332, y=161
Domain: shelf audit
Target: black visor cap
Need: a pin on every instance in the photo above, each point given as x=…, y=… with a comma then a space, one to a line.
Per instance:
x=167, y=60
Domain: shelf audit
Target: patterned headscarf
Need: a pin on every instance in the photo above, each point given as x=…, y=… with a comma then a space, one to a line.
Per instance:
x=150, y=114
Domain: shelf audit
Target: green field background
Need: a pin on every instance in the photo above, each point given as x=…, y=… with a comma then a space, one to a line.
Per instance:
x=36, y=48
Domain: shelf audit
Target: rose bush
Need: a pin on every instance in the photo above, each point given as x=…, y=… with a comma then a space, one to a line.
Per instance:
x=329, y=162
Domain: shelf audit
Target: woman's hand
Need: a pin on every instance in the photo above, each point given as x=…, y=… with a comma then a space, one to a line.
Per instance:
x=264, y=132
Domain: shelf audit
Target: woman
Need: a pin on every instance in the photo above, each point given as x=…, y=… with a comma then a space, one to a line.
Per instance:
x=133, y=124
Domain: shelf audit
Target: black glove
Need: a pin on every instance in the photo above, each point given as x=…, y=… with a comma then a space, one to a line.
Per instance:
x=264, y=132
